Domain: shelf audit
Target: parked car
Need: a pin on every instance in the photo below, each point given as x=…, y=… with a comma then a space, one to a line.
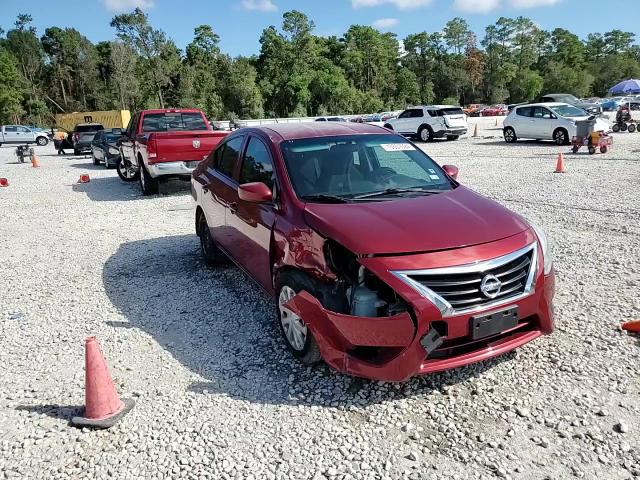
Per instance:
x=449, y=278
x=474, y=109
x=104, y=147
x=546, y=121
x=82, y=136
x=330, y=119
x=19, y=134
x=162, y=144
x=589, y=107
x=494, y=111
x=429, y=122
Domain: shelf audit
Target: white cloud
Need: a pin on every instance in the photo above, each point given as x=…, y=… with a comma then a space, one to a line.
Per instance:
x=261, y=5
x=121, y=5
x=532, y=3
x=476, y=6
x=399, y=4
x=385, y=23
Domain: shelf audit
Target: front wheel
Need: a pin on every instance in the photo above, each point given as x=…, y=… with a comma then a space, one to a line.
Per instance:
x=126, y=173
x=295, y=332
x=42, y=141
x=425, y=134
x=632, y=127
x=510, y=135
x=561, y=137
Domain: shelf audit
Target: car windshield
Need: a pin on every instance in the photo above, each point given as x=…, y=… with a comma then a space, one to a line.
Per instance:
x=345, y=167
x=111, y=137
x=569, y=111
x=173, y=121
x=88, y=128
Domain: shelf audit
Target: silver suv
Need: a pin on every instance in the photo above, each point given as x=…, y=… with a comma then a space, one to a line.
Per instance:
x=429, y=122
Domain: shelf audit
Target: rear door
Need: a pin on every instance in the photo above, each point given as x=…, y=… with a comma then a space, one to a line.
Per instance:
x=454, y=117
x=252, y=222
x=523, y=122
x=220, y=195
x=543, y=123
x=11, y=134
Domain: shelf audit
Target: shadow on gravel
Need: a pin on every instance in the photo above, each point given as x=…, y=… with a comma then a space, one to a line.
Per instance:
x=112, y=189
x=220, y=325
x=86, y=166
x=64, y=412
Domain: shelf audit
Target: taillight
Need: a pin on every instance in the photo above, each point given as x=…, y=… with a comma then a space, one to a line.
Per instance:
x=152, y=153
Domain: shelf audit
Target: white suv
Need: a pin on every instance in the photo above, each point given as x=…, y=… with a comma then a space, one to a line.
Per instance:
x=546, y=121
x=429, y=122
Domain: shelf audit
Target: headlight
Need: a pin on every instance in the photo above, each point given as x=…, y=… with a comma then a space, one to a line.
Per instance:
x=114, y=151
x=546, y=248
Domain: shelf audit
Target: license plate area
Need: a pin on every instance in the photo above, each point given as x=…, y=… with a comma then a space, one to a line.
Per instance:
x=482, y=326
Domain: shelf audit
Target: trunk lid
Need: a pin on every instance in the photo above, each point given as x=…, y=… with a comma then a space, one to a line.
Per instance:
x=183, y=146
x=453, y=117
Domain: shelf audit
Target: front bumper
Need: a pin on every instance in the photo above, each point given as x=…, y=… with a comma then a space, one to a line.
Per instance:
x=174, y=169
x=396, y=341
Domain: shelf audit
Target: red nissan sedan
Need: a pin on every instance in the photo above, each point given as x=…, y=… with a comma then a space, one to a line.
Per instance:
x=381, y=263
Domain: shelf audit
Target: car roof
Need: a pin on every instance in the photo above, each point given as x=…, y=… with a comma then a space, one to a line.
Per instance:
x=293, y=131
x=172, y=110
x=434, y=106
x=544, y=104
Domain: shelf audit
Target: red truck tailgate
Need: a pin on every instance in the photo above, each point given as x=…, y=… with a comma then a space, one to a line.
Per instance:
x=183, y=146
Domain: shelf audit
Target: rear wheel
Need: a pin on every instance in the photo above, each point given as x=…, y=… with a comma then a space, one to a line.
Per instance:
x=297, y=336
x=603, y=149
x=592, y=150
x=561, y=137
x=425, y=134
x=510, y=135
x=616, y=128
x=632, y=127
x=210, y=251
x=148, y=184
x=623, y=127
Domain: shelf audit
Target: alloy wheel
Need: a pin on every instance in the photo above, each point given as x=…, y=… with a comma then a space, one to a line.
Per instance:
x=294, y=328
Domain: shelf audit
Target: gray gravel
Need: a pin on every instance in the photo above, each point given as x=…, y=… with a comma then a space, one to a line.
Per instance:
x=218, y=396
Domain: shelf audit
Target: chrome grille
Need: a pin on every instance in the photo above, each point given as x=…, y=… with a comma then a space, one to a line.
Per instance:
x=456, y=290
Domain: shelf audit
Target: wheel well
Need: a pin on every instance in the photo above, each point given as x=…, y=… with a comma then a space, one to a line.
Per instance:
x=425, y=125
x=560, y=128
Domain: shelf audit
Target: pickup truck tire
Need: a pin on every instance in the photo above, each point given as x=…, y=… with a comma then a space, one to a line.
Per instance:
x=305, y=348
x=148, y=184
x=42, y=141
x=425, y=133
x=211, y=254
x=126, y=174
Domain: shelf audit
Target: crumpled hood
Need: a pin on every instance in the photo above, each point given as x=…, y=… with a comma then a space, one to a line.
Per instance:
x=453, y=219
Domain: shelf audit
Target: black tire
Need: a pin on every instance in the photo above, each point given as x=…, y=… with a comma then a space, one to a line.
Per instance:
x=510, y=135
x=425, y=134
x=451, y=138
x=592, y=150
x=211, y=254
x=124, y=173
x=615, y=128
x=298, y=281
x=148, y=184
x=604, y=149
x=95, y=160
x=632, y=127
x=388, y=127
x=575, y=149
x=623, y=127
x=42, y=141
x=561, y=137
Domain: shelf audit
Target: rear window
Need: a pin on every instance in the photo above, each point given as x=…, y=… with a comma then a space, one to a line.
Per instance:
x=449, y=111
x=173, y=121
x=88, y=128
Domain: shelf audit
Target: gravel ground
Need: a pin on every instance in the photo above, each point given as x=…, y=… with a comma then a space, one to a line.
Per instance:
x=219, y=397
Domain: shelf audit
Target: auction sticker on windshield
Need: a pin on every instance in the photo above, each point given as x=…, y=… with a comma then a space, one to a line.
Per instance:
x=397, y=147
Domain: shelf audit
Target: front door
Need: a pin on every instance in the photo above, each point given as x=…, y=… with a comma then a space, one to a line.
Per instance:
x=221, y=194
x=251, y=222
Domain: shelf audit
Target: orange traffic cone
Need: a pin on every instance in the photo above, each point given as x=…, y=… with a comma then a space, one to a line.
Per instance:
x=632, y=326
x=4, y=182
x=475, y=131
x=34, y=159
x=102, y=406
x=560, y=168
x=84, y=178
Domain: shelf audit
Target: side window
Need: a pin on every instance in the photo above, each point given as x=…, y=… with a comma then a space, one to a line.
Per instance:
x=417, y=113
x=433, y=113
x=525, y=111
x=23, y=130
x=256, y=164
x=541, y=112
x=227, y=155
x=405, y=114
x=11, y=129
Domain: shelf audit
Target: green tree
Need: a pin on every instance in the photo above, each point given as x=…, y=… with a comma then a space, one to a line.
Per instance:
x=11, y=88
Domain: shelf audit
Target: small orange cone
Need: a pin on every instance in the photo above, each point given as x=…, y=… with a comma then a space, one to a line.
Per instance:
x=633, y=326
x=102, y=405
x=560, y=168
x=84, y=178
x=475, y=131
x=34, y=159
x=4, y=182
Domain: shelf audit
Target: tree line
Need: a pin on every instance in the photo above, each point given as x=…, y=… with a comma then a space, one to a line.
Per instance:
x=298, y=73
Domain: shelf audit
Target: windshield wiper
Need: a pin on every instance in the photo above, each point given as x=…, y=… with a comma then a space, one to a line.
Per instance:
x=395, y=191
x=321, y=197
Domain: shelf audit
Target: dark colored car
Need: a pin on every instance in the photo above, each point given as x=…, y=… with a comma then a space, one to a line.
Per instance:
x=589, y=107
x=380, y=261
x=104, y=147
x=82, y=136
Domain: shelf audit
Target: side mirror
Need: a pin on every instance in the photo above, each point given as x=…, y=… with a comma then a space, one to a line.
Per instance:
x=451, y=170
x=255, y=192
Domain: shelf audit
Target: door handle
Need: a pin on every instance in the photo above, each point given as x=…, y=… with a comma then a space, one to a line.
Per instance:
x=233, y=208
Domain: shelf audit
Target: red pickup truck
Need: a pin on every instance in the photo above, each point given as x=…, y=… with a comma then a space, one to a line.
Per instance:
x=161, y=144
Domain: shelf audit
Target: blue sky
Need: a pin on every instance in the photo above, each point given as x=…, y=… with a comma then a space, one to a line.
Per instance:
x=240, y=22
